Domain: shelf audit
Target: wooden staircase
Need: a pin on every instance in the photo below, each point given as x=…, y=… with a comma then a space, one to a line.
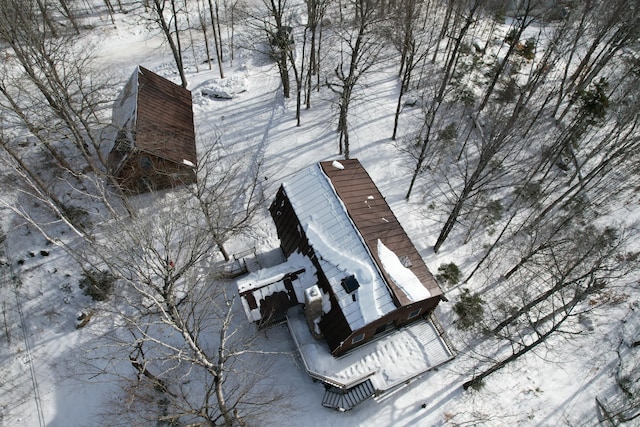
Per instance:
x=344, y=400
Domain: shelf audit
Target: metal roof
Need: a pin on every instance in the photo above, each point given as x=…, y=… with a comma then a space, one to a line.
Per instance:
x=163, y=117
x=338, y=247
x=375, y=221
x=344, y=216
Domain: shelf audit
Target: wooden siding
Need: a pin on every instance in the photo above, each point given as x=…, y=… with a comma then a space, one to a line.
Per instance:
x=289, y=230
x=374, y=219
x=399, y=317
x=160, y=175
x=334, y=325
x=164, y=133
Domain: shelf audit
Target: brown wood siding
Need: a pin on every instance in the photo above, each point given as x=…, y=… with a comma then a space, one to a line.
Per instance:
x=399, y=316
x=161, y=174
x=375, y=221
x=333, y=325
x=163, y=131
x=287, y=224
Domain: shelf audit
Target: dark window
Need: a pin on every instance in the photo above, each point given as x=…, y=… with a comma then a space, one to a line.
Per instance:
x=414, y=313
x=385, y=327
x=122, y=144
x=357, y=338
x=350, y=284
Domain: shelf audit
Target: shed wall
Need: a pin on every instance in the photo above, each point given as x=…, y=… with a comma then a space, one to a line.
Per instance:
x=145, y=172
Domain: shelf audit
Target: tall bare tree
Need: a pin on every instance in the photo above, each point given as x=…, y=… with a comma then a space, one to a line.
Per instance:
x=443, y=81
x=194, y=359
x=165, y=14
x=315, y=14
x=359, y=51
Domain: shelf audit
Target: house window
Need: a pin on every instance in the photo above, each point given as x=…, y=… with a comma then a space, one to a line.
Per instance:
x=357, y=338
x=385, y=327
x=122, y=143
x=414, y=313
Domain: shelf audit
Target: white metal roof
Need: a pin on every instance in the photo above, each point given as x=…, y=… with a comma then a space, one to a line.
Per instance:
x=338, y=246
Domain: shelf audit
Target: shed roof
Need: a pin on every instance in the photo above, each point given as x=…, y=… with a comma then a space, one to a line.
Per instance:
x=158, y=116
x=345, y=218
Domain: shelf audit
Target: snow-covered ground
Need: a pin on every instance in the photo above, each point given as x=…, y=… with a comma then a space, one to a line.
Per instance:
x=40, y=348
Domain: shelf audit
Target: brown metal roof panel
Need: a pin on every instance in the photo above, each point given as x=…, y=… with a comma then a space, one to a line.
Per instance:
x=356, y=188
x=164, y=124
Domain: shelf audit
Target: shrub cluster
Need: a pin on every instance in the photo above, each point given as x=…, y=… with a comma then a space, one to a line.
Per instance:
x=97, y=284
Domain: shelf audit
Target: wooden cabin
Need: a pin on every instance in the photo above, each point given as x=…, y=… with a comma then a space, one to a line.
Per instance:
x=365, y=264
x=155, y=147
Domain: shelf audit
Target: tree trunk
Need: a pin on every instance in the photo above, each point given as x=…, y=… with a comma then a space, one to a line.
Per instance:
x=524, y=350
x=216, y=40
x=178, y=45
x=437, y=101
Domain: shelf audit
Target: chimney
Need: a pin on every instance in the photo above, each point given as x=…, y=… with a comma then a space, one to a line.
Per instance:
x=313, y=309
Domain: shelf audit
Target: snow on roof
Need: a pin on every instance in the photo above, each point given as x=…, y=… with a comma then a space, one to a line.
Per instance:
x=401, y=275
x=336, y=164
x=339, y=247
x=125, y=106
x=265, y=276
x=268, y=281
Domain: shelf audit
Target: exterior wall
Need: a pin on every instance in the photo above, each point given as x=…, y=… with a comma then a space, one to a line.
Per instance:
x=144, y=172
x=290, y=232
x=395, y=319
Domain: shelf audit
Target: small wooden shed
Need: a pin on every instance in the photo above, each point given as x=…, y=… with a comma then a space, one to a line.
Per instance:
x=366, y=265
x=155, y=147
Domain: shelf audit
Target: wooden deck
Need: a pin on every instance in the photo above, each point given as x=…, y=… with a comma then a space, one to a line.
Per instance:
x=386, y=363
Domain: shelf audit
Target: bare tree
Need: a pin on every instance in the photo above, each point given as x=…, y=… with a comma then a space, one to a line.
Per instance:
x=524, y=19
x=227, y=193
x=51, y=100
x=413, y=47
x=182, y=340
x=280, y=37
x=194, y=360
x=298, y=73
x=615, y=26
x=203, y=26
x=359, y=51
x=550, y=297
x=440, y=88
x=315, y=14
x=215, y=25
x=168, y=21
